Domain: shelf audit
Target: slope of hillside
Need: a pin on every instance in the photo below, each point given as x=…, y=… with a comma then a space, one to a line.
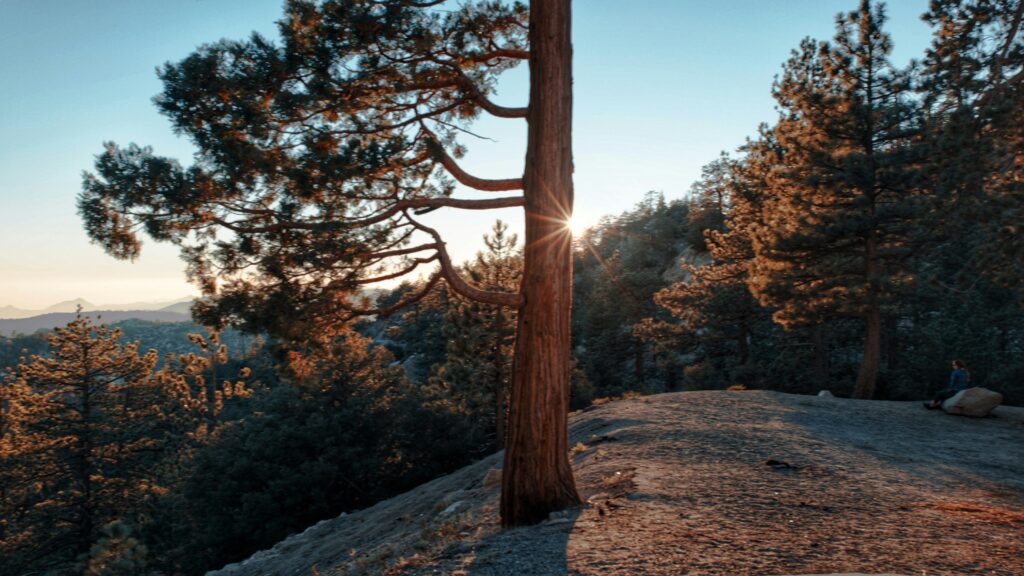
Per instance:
x=715, y=483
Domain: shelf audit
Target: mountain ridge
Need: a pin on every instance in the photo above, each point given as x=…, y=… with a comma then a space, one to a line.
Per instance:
x=51, y=320
x=10, y=312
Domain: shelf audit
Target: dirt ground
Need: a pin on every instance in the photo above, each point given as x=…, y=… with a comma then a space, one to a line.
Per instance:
x=703, y=483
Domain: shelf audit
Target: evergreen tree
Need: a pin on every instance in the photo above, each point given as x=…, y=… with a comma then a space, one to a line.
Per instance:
x=972, y=86
x=314, y=157
x=709, y=199
x=620, y=264
x=837, y=225
x=17, y=408
x=715, y=313
x=346, y=432
x=94, y=420
x=415, y=334
x=478, y=367
x=15, y=347
x=90, y=435
x=117, y=553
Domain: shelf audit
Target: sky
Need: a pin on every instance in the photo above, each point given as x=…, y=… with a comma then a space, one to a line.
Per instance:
x=660, y=88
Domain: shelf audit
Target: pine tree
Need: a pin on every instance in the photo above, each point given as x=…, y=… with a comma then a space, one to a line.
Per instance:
x=415, y=335
x=316, y=156
x=87, y=433
x=17, y=407
x=621, y=263
x=973, y=88
x=837, y=223
x=480, y=337
x=93, y=429
x=347, y=431
x=709, y=197
x=714, y=310
x=116, y=553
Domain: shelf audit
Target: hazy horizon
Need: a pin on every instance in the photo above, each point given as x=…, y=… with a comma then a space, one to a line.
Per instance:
x=101, y=306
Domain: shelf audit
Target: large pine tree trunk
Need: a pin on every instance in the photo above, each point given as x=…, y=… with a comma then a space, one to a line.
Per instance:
x=868, y=374
x=537, y=477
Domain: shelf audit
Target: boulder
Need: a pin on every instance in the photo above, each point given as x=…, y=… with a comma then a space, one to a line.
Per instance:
x=825, y=394
x=454, y=509
x=976, y=402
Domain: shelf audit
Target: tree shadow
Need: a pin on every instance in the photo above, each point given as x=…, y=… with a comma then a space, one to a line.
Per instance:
x=938, y=449
x=542, y=549
x=534, y=550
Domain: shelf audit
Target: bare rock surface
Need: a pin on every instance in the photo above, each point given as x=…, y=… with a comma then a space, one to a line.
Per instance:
x=976, y=402
x=703, y=483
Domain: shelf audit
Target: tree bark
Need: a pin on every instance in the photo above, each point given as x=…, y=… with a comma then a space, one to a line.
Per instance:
x=868, y=375
x=537, y=477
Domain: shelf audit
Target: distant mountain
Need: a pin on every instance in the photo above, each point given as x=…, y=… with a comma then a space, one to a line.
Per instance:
x=69, y=306
x=12, y=312
x=181, y=305
x=55, y=319
x=151, y=305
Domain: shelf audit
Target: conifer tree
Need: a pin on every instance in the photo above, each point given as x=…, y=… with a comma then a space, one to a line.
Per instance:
x=415, y=335
x=973, y=88
x=621, y=263
x=116, y=553
x=713, y=299
x=837, y=223
x=86, y=432
x=17, y=405
x=317, y=155
x=349, y=430
x=709, y=197
x=90, y=436
x=478, y=368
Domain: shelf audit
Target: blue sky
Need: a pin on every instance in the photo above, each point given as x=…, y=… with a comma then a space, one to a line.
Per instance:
x=661, y=86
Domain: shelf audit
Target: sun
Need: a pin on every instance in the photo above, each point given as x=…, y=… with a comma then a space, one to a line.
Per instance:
x=576, y=225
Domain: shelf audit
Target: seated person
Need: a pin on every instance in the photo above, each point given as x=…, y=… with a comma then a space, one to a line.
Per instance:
x=958, y=381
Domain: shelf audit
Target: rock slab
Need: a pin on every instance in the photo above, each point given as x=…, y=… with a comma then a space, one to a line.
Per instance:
x=977, y=402
x=492, y=478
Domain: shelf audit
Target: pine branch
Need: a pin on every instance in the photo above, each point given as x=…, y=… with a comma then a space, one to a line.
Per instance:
x=458, y=284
